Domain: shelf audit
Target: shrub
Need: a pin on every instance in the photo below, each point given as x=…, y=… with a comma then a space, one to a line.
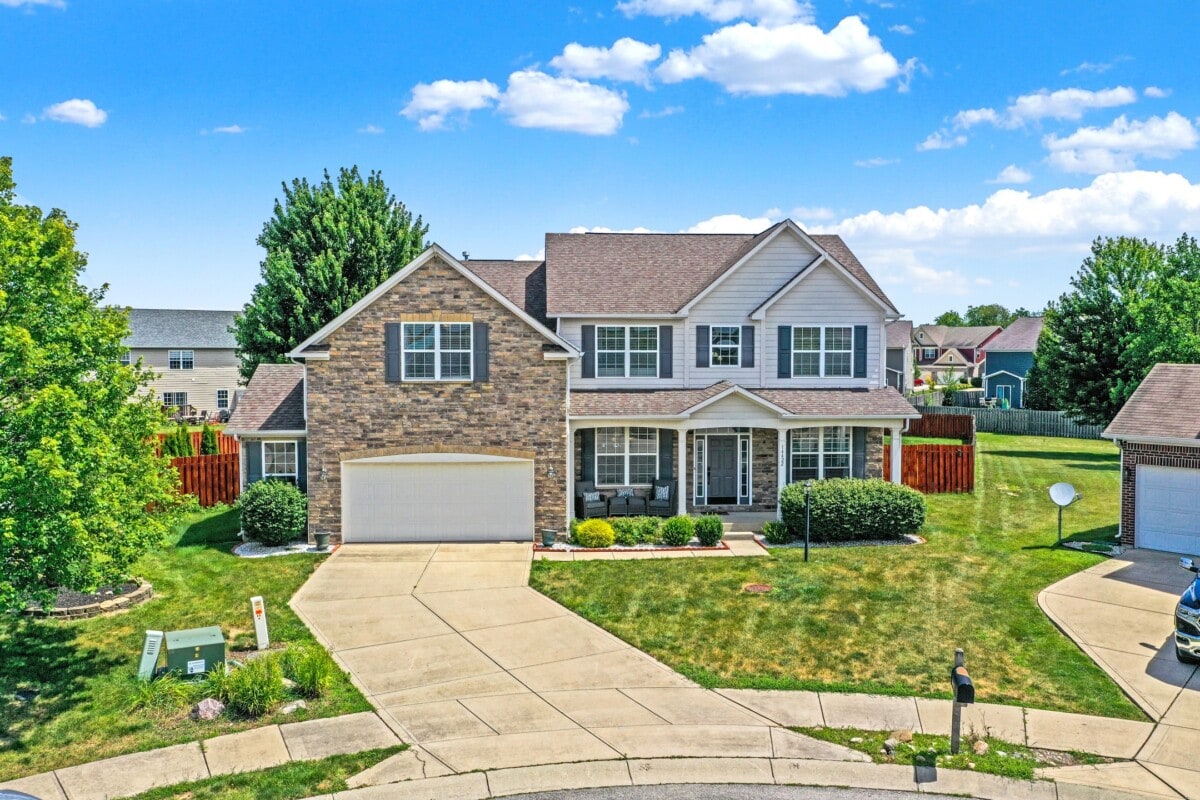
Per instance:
x=776, y=532
x=625, y=530
x=178, y=443
x=649, y=530
x=311, y=668
x=678, y=531
x=593, y=533
x=710, y=530
x=845, y=510
x=208, y=442
x=273, y=512
x=977, y=383
x=251, y=690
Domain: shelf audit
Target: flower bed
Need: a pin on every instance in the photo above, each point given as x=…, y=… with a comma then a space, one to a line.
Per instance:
x=76, y=605
x=643, y=533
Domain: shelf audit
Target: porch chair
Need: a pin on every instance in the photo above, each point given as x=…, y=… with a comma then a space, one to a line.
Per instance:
x=589, y=502
x=626, y=503
x=662, y=508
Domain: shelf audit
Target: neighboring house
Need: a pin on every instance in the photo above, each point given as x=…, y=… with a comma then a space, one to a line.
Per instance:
x=944, y=350
x=900, y=355
x=1158, y=431
x=466, y=399
x=192, y=352
x=1009, y=357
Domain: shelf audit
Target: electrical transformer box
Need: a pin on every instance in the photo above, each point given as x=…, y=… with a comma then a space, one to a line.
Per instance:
x=195, y=651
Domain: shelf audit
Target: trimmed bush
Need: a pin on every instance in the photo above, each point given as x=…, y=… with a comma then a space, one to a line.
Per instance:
x=849, y=509
x=649, y=530
x=776, y=532
x=273, y=512
x=593, y=533
x=625, y=531
x=678, y=531
x=251, y=690
x=710, y=530
x=208, y=442
x=311, y=668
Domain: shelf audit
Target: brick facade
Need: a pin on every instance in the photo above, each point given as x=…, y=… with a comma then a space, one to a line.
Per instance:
x=1133, y=455
x=353, y=411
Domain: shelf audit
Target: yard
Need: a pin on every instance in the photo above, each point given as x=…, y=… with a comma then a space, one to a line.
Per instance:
x=84, y=672
x=885, y=619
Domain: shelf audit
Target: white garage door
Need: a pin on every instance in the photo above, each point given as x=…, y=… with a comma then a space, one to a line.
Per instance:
x=447, y=497
x=1167, y=514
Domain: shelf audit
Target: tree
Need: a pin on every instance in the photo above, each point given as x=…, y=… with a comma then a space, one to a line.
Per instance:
x=209, y=446
x=982, y=316
x=327, y=245
x=951, y=318
x=78, y=469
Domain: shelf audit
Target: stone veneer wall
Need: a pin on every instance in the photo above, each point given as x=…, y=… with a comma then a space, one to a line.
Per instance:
x=1133, y=455
x=352, y=409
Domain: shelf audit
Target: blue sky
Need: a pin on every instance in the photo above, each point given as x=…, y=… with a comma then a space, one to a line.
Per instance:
x=967, y=151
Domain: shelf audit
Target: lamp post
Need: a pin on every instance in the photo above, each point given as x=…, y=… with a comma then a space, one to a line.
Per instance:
x=808, y=484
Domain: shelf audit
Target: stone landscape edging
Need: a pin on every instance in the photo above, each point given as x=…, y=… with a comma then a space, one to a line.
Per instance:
x=143, y=592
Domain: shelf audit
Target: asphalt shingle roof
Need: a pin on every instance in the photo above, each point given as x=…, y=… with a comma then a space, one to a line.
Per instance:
x=187, y=328
x=273, y=401
x=955, y=336
x=1163, y=405
x=522, y=282
x=899, y=334
x=1021, y=336
x=885, y=402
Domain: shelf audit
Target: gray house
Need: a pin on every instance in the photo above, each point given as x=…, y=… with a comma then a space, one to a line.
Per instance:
x=192, y=352
x=1008, y=359
x=900, y=356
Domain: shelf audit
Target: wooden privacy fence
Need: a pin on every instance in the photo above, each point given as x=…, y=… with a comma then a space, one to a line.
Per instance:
x=225, y=444
x=212, y=479
x=934, y=468
x=1021, y=422
x=943, y=426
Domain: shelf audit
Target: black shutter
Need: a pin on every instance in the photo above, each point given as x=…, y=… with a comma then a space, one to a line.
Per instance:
x=747, y=345
x=587, y=454
x=589, y=351
x=860, y=351
x=666, y=351
x=666, y=454
x=703, y=345
x=253, y=450
x=785, y=351
x=858, y=453
x=302, y=465
x=391, y=352
x=480, y=354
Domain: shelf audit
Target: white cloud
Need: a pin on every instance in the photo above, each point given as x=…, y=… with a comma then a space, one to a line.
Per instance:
x=667, y=111
x=627, y=60
x=797, y=58
x=77, y=112
x=903, y=267
x=1096, y=68
x=974, y=116
x=1119, y=145
x=983, y=281
x=772, y=12
x=537, y=100
x=602, y=229
x=877, y=161
x=32, y=3
x=731, y=223
x=1012, y=174
x=1069, y=104
x=940, y=140
x=229, y=129
x=369, y=128
x=903, y=30
x=540, y=255
x=433, y=102
x=807, y=214
x=28, y=119
x=1156, y=92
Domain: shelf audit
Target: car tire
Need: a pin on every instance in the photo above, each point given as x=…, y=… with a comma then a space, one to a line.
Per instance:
x=1186, y=658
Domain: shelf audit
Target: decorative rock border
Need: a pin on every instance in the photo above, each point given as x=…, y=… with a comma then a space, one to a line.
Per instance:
x=117, y=602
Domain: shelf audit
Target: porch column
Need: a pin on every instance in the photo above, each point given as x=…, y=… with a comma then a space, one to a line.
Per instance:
x=682, y=483
x=780, y=468
x=570, y=477
x=897, y=452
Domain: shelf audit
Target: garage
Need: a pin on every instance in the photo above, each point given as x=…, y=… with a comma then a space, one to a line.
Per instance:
x=427, y=497
x=1168, y=509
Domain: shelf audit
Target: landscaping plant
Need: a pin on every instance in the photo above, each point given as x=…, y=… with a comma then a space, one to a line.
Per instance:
x=649, y=530
x=310, y=667
x=776, y=532
x=209, y=446
x=846, y=510
x=678, y=531
x=593, y=533
x=625, y=531
x=710, y=530
x=252, y=690
x=273, y=512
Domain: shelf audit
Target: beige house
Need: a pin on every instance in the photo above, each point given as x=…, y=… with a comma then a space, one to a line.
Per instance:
x=193, y=353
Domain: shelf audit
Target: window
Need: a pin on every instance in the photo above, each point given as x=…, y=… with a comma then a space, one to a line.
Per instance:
x=626, y=352
x=820, y=453
x=126, y=359
x=929, y=353
x=1003, y=393
x=626, y=456
x=222, y=398
x=279, y=460
x=822, y=352
x=726, y=346
x=181, y=359
x=174, y=399
x=436, y=352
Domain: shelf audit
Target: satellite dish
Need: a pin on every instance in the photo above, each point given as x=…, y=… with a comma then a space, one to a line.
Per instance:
x=1063, y=494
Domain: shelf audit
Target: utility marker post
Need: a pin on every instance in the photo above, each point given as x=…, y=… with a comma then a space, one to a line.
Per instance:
x=259, y=610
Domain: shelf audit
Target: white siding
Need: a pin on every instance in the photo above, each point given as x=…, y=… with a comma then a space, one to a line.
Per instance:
x=571, y=330
x=214, y=369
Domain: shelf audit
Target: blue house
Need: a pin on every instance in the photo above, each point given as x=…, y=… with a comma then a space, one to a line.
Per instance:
x=1008, y=359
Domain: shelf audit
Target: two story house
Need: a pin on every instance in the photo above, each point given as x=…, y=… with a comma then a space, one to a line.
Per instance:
x=945, y=350
x=192, y=352
x=900, y=355
x=1009, y=357
x=464, y=399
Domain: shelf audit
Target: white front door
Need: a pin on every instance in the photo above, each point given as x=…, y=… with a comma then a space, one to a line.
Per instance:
x=1167, y=511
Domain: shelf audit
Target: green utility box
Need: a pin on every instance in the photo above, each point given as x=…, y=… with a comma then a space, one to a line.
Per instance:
x=195, y=652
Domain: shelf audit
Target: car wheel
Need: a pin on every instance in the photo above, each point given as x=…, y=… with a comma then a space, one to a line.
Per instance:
x=1185, y=657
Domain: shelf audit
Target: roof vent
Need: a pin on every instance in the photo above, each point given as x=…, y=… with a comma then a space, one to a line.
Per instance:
x=466, y=256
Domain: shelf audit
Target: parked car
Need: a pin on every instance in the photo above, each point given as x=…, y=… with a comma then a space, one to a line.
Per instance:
x=1187, y=618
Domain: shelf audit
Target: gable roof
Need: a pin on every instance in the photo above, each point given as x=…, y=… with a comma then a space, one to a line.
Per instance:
x=899, y=334
x=1161, y=407
x=273, y=401
x=1019, y=337
x=522, y=282
x=660, y=273
x=190, y=328
x=954, y=336
x=952, y=357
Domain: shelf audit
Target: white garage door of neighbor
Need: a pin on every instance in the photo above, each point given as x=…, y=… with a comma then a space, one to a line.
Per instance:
x=1167, y=515
x=441, y=497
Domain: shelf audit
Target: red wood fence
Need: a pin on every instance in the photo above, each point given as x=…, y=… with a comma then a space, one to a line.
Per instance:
x=213, y=479
x=225, y=444
x=934, y=468
x=944, y=426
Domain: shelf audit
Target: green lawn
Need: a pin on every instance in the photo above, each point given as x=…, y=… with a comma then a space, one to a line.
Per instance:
x=85, y=671
x=885, y=619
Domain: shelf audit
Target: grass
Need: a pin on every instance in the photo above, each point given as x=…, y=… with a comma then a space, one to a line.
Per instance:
x=886, y=619
x=290, y=781
x=1002, y=758
x=90, y=704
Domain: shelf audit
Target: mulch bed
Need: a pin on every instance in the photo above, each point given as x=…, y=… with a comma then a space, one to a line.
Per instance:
x=70, y=604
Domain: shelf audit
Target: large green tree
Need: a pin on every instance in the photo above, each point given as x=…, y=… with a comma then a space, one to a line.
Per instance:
x=982, y=315
x=78, y=471
x=327, y=244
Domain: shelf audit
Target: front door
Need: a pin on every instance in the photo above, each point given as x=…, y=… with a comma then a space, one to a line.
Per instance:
x=722, y=469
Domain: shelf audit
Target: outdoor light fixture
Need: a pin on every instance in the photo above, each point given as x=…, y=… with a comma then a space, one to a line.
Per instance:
x=324, y=473
x=551, y=471
x=808, y=484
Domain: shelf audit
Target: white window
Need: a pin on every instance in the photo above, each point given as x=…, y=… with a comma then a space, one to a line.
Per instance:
x=725, y=344
x=822, y=352
x=1003, y=393
x=181, y=359
x=626, y=352
x=626, y=456
x=437, y=351
x=821, y=453
x=126, y=359
x=279, y=460
x=222, y=398
x=174, y=399
x=929, y=353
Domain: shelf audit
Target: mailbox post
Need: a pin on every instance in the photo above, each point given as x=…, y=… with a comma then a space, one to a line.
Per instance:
x=964, y=694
